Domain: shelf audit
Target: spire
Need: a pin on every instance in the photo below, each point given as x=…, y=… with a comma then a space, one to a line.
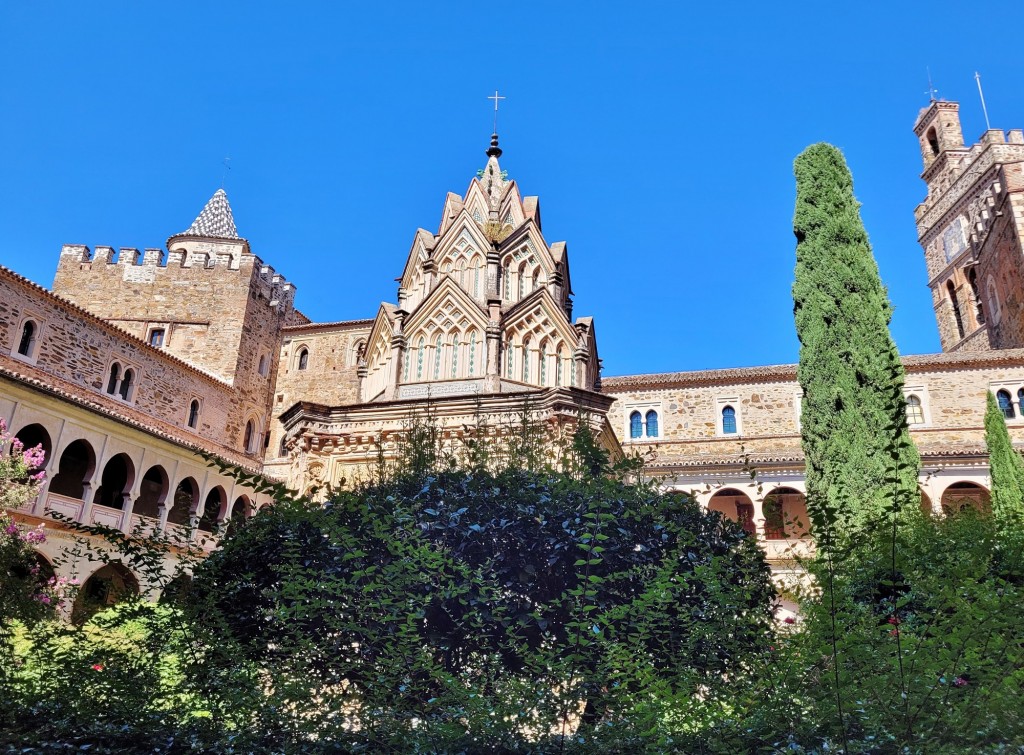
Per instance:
x=216, y=220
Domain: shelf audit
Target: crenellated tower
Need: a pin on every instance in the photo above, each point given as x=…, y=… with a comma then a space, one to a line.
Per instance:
x=971, y=226
x=209, y=301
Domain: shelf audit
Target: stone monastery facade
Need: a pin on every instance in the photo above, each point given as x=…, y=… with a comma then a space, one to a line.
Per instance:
x=133, y=362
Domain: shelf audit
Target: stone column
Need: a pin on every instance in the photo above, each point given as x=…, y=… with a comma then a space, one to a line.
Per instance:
x=398, y=346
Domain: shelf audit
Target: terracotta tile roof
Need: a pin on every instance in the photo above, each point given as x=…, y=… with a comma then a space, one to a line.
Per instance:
x=305, y=327
x=913, y=363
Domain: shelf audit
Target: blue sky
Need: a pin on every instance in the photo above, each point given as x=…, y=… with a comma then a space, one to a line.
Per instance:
x=660, y=139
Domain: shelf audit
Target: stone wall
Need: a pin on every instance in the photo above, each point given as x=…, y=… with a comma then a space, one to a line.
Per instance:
x=73, y=352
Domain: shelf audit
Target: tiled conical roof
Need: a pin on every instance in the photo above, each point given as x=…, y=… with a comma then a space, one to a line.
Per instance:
x=216, y=220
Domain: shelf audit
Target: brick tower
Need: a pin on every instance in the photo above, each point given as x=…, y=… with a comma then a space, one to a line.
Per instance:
x=971, y=226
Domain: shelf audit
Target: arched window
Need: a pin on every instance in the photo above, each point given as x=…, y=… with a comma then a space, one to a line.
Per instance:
x=455, y=355
x=728, y=421
x=522, y=279
x=1005, y=404
x=933, y=141
x=193, y=413
x=526, y=359
x=636, y=425
x=282, y=449
x=652, y=424
x=979, y=309
x=915, y=412
x=115, y=374
x=506, y=282
x=419, y=358
x=476, y=278
x=437, y=356
x=1020, y=398
x=472, y=353
x=955, y=304
x=535, y=283
x=126, y=384
x=558, y=367
x=26, y=346
x=461, y=270
x=509, y=370
x=248, y=442
x=303, y=359
x=262, y=369
x=543, y=363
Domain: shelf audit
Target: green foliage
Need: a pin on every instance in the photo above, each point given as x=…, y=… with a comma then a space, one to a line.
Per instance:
x=452, y=608
x=1007, y=471
x=861, y=464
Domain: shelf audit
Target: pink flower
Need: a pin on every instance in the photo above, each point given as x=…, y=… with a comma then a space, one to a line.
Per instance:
x=44, y=599
x=960, y=682
x=789, y=620
x=894, y=620
x=97, y=667
x=894, y=633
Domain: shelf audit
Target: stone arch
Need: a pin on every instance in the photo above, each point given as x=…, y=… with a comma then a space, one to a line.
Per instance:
x=734, y=505
x=184, y=502
x=213, y=508
x=926, y=503
x=241, y=510
x=785, y=514
x=959, y=495
x=35, y=435
x=74, y=470
x=116, y=481
x=108, y=585
x=152, y=492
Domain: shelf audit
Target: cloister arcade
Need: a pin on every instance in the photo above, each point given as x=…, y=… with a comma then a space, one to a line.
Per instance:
x=99, y=472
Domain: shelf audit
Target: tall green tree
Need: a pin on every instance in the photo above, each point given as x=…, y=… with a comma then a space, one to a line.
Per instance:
x=862, y=466
x=1007, y=469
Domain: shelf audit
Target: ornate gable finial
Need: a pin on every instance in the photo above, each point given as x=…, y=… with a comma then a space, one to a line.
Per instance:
x=216, y=220
x=494, y=150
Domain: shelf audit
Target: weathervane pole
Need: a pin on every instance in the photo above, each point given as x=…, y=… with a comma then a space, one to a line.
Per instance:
x=977, y=77
x=224, y=173
x=932, y=91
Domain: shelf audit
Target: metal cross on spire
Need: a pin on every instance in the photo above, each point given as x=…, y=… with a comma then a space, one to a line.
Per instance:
x=495, y=97
x=224, y=173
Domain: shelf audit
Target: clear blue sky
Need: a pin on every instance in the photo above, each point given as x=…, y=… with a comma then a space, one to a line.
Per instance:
x=659, y=138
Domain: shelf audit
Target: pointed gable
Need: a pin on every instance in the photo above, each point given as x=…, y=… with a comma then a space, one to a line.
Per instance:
x=453, y=205
x=448, y=307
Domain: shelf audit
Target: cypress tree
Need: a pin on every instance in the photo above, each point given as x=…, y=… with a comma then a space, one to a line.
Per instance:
x=1007, y=469
x=861, y=465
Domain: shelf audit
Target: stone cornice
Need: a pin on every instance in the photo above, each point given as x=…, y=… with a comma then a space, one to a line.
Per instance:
x=321, y=326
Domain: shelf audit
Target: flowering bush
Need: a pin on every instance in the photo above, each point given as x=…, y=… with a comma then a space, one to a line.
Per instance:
x=28, y=588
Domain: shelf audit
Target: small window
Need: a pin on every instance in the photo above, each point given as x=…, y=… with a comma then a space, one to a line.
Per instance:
x=652, y=424
x=1005, y=404
x=247, y=443
x=303, y=359
x=282, y=449
x=193, y=413
x=635, y=425
x=933, y=141
x=262, y=369
x=156, y=337
x=115, y=375
x=126, y=384
x=728, y=421
x=915, y=412
x=27, y=345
